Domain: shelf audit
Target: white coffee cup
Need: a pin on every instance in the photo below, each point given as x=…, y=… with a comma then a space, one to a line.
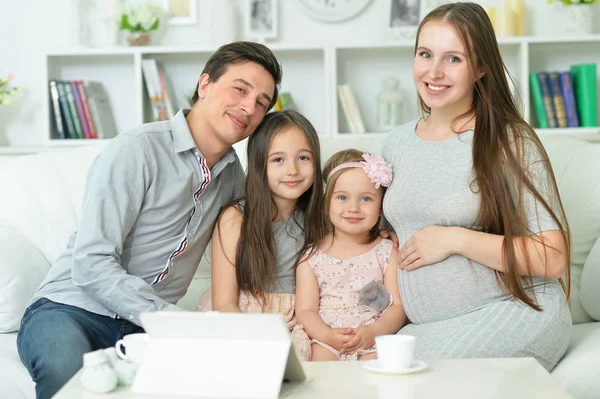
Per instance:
x=395, y=352
x=134, y=345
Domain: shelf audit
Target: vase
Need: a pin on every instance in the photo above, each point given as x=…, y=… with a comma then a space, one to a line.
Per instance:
x=80, y=22
x=223, y=24
x=138, y=38
x=579, y=18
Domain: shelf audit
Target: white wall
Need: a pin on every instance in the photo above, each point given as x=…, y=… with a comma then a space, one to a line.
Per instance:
x=29, y=28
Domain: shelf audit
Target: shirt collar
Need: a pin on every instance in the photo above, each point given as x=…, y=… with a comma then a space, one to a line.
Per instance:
x=182, y=137
x=183, y=140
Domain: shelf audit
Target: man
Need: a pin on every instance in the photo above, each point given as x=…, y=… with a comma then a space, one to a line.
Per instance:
x=150, y=201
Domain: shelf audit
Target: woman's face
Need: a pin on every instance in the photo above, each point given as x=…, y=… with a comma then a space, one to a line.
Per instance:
x=441, y=70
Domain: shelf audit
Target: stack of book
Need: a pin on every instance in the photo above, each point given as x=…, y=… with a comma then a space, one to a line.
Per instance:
x=350, y=108
x=81, y=110
x=156, y=86
x=565, y=99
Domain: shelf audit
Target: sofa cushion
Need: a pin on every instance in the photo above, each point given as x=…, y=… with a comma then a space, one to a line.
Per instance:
x=576, y=165
x=577, y=371
x=22, y=269
x=589, y=294
x=42, y=195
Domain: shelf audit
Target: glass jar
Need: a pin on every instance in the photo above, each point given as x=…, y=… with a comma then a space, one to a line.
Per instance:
x=390, y=105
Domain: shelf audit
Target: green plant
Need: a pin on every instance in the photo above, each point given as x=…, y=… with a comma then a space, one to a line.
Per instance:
x=144, y=17
x=571, y=2
x=8, y=94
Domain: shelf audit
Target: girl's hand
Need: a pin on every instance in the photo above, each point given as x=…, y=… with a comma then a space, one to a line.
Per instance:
x=339, y=337
x=364, y=338
x=430, y=245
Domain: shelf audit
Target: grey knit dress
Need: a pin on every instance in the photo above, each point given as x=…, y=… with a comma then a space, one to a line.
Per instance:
x=456, y=308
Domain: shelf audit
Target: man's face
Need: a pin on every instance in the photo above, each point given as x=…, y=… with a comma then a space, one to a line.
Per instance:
x=235, y=104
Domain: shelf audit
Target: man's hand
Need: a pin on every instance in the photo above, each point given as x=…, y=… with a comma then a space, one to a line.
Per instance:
x=338, y=337
x=364, y=338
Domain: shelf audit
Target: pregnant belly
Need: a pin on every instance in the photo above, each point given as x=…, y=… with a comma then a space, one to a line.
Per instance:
x=447, y=289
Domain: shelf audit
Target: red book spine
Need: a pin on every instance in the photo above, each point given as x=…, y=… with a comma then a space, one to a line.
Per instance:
x=86, y=109
x=80, y=113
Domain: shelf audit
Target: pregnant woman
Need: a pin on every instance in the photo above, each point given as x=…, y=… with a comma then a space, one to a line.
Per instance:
x=485, y=244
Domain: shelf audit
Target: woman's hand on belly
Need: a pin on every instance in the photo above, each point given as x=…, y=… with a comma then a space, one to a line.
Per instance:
x=427, y=246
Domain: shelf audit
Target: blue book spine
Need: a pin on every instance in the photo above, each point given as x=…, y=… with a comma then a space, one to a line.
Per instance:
x=566, y=86
x=557, y=98
x=548, y=99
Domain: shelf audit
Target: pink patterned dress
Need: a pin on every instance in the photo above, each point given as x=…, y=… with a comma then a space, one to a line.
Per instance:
x=340, y=282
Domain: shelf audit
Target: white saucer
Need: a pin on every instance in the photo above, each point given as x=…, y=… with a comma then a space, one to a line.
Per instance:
x=374, y=366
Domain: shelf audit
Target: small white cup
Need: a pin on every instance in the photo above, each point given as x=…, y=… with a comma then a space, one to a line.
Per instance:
x=395, y=352
x=134, y=345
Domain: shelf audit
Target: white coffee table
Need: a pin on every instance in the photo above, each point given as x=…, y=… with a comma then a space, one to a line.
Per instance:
x=465, y=378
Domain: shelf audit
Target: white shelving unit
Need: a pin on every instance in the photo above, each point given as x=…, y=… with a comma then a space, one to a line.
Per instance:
x=311, y=73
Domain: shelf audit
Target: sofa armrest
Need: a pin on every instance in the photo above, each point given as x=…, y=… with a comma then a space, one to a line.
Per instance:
x=578, y=372
x=589, y=294
x=22, y=269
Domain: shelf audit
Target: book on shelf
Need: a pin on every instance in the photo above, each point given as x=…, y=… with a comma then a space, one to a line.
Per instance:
x=346, y=109
x=73, y=110
x=167, y=94
x=538, y=100
x=586, y=93
x=80, y=114
x=155, y=92
x=351, y=110
x=548, y=99
x=89, y=120
x=566, y=87
x=65, y=112
x=56, y=112
x=101, y=110
x=558, y=99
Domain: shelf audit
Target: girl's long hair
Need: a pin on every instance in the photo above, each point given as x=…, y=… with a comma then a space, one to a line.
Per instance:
x=502, y=145
x=256, y=259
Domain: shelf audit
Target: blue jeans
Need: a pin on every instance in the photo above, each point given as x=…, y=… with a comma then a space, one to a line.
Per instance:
x=53, y=338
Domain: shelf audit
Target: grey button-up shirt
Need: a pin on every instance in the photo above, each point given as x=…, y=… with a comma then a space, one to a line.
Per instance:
x=148, y=210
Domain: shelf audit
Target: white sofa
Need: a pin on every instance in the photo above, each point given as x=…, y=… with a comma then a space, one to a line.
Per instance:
x=40, y=197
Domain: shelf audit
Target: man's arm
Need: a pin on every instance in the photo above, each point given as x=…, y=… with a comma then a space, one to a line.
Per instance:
x=114, y=194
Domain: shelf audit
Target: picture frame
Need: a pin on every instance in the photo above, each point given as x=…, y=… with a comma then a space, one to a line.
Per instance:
x=181, y=12
x=404, y=16
x=261, y=19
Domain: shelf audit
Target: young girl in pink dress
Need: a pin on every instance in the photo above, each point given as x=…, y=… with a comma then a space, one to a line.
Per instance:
x=346, y=294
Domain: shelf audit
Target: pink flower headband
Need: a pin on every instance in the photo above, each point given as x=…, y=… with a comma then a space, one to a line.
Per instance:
x=378, y=170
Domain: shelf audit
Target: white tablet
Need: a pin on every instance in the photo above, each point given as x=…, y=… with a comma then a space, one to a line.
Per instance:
x=216, y=354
